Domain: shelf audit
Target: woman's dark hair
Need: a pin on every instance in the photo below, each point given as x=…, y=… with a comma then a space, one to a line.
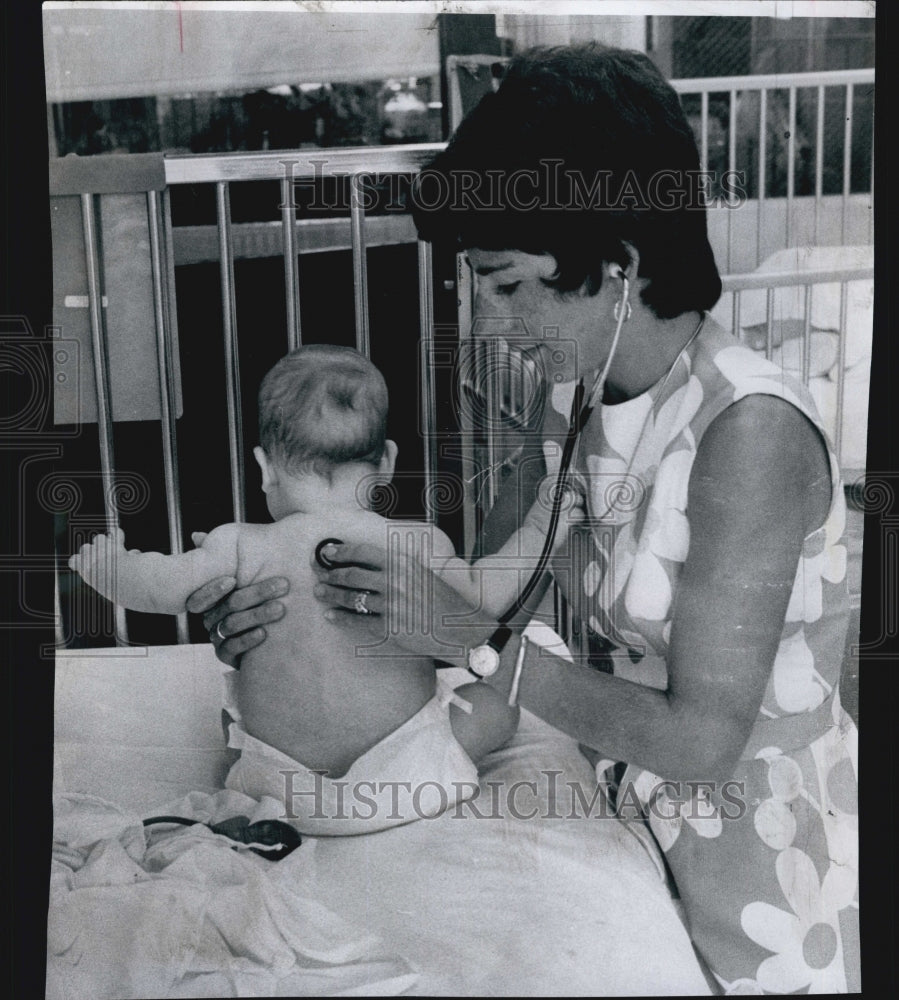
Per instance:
x=579, y=151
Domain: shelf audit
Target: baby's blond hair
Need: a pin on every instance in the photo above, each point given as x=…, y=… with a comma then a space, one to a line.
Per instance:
x=322, y=406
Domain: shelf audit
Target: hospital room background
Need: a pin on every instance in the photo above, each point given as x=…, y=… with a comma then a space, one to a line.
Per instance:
x=205, y=176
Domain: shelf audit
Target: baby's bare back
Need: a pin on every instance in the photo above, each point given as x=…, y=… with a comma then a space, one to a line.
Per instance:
x=309, y=690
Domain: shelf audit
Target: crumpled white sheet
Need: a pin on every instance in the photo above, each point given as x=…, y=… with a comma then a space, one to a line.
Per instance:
x=505, y=906
x=460, y=906
x=165, y=912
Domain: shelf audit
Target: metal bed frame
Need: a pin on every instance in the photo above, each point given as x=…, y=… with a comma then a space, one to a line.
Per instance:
x=156, y=175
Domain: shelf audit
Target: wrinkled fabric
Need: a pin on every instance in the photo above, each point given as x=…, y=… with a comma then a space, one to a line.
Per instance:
x=164, y=912
x=416, y=772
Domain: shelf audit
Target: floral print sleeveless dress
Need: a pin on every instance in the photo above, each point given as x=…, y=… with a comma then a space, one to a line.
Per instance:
x=770, y=896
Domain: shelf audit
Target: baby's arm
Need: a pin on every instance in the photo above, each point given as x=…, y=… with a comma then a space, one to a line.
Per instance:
x=490, y=724
x=150, y=581
x=496, y=580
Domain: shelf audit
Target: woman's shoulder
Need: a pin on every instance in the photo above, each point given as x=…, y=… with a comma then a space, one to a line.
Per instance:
x=762, y=450
x=727, y=371
x=758, y=426
x=731, y=369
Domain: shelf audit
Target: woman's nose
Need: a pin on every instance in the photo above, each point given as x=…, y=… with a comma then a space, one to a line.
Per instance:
x=484, y=305
x=492, y=318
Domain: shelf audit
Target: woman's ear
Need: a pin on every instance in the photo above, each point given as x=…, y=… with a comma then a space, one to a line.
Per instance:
x=269, y=475
x=629, y=267
x=388, y=460
x=550, y=267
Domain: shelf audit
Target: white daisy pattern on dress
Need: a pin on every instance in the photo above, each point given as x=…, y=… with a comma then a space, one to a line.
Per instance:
x=768, y=886
x=805, y=941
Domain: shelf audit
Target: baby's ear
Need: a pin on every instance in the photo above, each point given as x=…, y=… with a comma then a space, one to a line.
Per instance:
x=269, y=478
x=388, y=460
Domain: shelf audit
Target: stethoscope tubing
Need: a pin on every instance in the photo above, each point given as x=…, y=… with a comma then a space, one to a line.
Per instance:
x=580, y=414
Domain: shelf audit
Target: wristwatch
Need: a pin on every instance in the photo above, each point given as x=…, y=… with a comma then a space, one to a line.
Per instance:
x=483, y=660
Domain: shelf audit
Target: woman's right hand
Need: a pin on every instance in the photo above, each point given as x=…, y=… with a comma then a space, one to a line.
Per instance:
x=409, y=607
x=234, y=618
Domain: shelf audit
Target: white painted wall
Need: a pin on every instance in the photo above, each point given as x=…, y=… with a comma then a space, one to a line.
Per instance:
x=622, y=30
x=100, y=54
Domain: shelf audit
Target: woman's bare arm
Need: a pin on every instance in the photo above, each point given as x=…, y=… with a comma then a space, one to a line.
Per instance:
x=759, y=484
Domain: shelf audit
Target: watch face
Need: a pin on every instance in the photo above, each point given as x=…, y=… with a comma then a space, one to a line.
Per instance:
x=483, y=660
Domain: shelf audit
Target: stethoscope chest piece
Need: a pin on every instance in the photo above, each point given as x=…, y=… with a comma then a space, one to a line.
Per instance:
x=320, y=556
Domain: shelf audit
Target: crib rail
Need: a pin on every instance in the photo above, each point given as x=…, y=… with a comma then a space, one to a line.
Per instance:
x=791, y=83
x=737, y=284
x=155, y=177
x=97, y=177
x=747, y=96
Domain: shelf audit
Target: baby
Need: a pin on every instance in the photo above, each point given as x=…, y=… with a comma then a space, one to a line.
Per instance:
x=341, y=742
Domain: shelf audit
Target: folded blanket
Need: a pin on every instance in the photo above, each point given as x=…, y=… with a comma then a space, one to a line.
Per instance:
x=180, y=912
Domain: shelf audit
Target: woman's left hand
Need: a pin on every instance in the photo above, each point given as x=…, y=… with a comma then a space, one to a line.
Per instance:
x=393, y=598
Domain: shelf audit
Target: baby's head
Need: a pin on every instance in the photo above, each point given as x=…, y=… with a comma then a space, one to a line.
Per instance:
x=322, y=428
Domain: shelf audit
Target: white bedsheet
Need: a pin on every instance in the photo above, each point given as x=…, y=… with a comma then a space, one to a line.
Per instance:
x=455, y=905
x=176, y=912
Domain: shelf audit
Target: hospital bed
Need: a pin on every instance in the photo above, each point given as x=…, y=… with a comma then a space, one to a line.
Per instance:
x=504, y=904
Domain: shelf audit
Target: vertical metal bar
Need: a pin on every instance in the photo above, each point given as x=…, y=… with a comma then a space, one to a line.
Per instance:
x=467, y=348
x=769, y=323
x=847, y=159
x=577, y=640
x=360, y=268
x=169, y=257
x=167, y=402
x=736, y=315
x=763, y=128
x=807, y=336
x=732, y=167
x=791, y=154
x=232, y=361
x=426, y=358
x=59, y=634
x=291, y=273
x=819, y=160
x=871, y=199
x=492, y=388
x=704, y=131
x=101, y=381
x=560, y=613
x=841, y=369
x=171, y=313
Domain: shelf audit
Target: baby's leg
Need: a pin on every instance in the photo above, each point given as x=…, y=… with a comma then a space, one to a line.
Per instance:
x=491, y=724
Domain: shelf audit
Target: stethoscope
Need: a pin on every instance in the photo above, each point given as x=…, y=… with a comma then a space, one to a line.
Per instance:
x=580, y=414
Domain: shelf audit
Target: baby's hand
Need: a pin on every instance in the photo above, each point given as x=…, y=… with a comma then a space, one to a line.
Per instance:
x=95, y=560
x=572, y=510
